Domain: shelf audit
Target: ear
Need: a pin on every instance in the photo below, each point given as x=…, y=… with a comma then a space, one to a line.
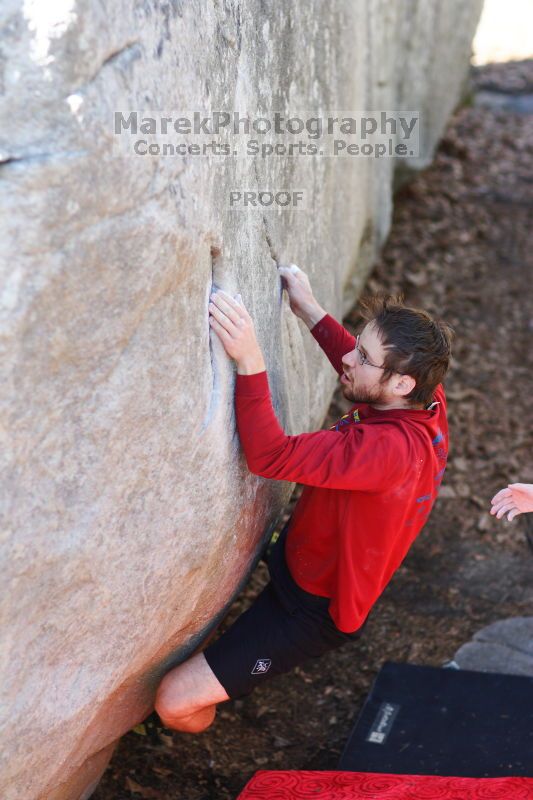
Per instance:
x=403, y=385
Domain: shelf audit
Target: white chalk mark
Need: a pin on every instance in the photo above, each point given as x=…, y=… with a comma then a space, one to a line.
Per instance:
x=47, y=21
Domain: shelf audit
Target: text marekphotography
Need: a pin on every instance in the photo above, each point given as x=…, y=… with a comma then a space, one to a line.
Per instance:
x=232, y=134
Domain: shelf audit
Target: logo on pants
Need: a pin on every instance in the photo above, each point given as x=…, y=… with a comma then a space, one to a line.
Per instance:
x=261, y=665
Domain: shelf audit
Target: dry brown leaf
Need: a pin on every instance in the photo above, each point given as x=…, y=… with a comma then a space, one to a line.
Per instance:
x=447, y=493
x=162, y=771
x=484, y=522
x=144, y=791
x=168, y=741
x=460, y=464
x=417, y=278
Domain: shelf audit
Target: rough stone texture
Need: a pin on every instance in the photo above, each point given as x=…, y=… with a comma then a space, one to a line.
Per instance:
x=505, y=646
x=129, y=517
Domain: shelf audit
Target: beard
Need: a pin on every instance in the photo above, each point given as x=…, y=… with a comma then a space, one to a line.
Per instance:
x=363, y=394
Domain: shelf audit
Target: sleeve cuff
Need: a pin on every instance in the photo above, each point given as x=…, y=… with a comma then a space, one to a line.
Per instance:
x=325, y=329
x=252, y=385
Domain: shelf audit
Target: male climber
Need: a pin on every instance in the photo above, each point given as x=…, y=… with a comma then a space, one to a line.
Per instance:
x=369, y=484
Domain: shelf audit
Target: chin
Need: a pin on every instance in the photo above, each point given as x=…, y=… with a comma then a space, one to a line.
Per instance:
x=348, y=394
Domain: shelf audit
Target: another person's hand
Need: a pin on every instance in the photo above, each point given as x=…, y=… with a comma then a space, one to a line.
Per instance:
x=516, y=499
x=234, y=327
x=301, y=298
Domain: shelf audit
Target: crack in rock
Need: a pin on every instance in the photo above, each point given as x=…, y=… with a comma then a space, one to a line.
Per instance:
x=7, y=160
x=273, y=251
x=216, y=268
x=124, y=56
x=271, y=247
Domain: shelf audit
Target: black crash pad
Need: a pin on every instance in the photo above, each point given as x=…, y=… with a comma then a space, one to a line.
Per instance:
x=429, y=721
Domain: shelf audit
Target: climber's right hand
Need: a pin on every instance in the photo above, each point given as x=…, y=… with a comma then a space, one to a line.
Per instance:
x=301, y=298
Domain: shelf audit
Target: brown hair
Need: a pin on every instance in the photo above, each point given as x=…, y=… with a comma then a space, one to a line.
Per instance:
x=415, y=343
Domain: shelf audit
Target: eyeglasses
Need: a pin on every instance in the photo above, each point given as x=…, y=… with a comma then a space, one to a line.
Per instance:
x=362, y=358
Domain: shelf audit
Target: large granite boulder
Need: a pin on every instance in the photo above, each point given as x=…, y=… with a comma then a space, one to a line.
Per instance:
x=129, y=517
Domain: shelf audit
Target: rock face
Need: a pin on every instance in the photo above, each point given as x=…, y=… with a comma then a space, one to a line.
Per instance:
x=129, y=517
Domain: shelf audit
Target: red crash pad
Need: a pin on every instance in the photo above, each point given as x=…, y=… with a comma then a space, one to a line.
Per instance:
x=296, y=785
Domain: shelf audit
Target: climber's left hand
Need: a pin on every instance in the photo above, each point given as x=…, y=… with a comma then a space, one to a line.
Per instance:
x=235, y=328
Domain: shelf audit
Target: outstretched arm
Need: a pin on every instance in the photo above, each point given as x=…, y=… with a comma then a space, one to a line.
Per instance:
x=334, y=340
x=366, y=458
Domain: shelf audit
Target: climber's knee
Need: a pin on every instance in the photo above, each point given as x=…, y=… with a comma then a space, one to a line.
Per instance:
x=193, y=723
x=187, y=696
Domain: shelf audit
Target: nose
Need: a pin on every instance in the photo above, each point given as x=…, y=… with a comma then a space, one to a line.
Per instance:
x=348, y=359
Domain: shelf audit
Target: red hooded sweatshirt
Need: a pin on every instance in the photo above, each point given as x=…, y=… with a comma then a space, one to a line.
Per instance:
x=370, y=482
